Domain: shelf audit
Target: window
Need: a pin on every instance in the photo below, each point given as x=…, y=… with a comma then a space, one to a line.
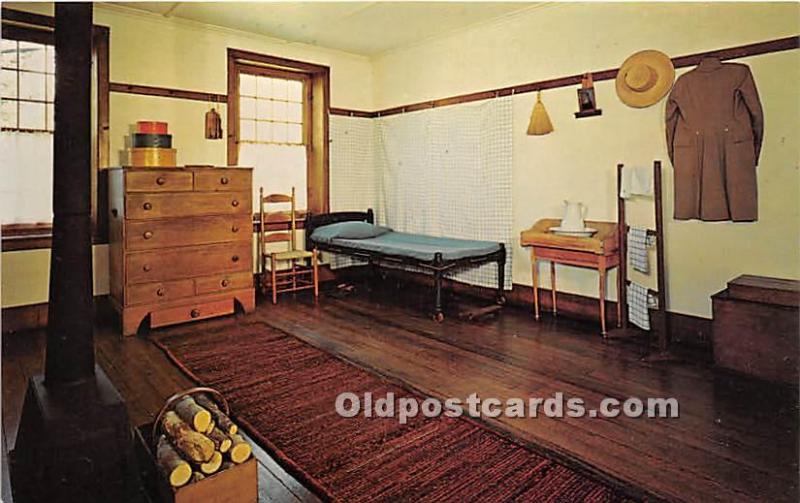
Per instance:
x=27, y=95
x=27, y=86
x=27, y=104
x=278, y=118
x=272, y=110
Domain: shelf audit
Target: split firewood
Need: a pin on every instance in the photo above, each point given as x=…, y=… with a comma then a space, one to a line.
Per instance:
x=221, y=441
x=197, y=477
x=212, y=465
x=175, y=468
x=195, y=446
x=193, y=414
x=222, y=420
x=240, y=450
x=211, y=426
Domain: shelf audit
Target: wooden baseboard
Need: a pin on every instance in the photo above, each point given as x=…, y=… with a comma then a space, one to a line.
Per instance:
x=34, y=316
x=692, y=331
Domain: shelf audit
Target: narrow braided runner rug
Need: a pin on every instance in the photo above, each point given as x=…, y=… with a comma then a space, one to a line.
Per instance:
x=282, y=391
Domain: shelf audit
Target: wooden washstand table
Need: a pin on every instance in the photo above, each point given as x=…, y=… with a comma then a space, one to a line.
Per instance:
x=601, y=252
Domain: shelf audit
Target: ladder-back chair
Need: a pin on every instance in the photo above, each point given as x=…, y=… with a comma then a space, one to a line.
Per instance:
x=295, y=277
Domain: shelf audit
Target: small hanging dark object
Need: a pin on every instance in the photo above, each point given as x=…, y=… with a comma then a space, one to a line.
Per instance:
x=587, y=103
x=213, y=125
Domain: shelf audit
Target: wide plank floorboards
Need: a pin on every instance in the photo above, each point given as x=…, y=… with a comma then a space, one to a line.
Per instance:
x=735, y=439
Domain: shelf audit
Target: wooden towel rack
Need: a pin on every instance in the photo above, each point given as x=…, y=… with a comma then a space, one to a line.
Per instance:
x=661, y=293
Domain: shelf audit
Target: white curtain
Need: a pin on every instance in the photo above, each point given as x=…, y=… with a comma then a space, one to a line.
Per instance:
x=278, y=168
x=441, y=172
x=26, y=177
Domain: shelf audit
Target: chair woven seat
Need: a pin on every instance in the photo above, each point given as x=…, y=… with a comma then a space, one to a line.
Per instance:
x=292, y=254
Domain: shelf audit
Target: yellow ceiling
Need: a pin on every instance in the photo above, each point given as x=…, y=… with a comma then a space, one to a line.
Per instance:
x=366, y=28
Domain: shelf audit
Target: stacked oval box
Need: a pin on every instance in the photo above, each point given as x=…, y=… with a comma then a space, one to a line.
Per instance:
x=151, y=146
x=180, y=243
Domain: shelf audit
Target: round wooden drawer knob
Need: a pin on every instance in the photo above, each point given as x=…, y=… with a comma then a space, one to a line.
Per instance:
x=225, y=283
x=146, y=268
x=235, y=203
x=147, y=234
x=235, y=228
x=194, y=313
x=235, y=258
x=147, y=206
x=161, y=180
x=160, y=292
x=224, y=180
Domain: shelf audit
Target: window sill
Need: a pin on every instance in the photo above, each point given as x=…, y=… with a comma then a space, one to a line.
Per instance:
x=19, y=237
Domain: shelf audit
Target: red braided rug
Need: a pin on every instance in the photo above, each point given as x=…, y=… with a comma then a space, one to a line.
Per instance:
x=282, y=390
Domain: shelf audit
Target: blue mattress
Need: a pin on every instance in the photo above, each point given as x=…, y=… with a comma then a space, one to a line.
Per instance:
x=415, y=246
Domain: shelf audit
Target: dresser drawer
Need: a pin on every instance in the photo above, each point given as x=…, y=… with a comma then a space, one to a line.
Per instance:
x=157, y=234
x=222, y=179
x=223, y=282
x=158, y=181
x=165, y=291
x=154, y=205
x=161, y=265
x=190, y=312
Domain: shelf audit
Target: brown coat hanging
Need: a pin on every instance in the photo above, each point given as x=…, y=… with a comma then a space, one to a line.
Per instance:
x=715, y=126
x=213, y=125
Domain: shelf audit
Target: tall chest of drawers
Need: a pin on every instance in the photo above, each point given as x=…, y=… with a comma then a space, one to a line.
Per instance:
x=180, y=243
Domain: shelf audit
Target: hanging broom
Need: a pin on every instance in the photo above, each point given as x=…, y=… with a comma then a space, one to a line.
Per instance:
x=540, y=122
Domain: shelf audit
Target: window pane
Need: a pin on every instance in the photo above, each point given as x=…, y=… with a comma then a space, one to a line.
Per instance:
x=247, y=108
x=51, y=88
x=50, y=56
x=31, y=115
x=31, y=56
x=9, y=53
x=279, y=132
x=294, y=133
x=294, y=112
x=247, y=85
x=279, y=110
x=279, y=89
x=8, y=83
x=264, y=131
x=31, y=86
x=264, y=109
x=8, y=113
x=26, y=177
x=247, y=130
x=51, y=115
x=295, y=90
x=264, y=87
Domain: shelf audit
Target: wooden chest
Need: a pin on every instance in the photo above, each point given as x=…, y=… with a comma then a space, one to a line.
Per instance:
x=755, y=327
x=180, y=244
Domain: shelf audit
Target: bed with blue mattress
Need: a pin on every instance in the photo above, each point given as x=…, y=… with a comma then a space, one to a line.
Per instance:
x=355, y=234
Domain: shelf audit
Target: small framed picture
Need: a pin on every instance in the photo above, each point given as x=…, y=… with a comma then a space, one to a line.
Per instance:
x=586, y=100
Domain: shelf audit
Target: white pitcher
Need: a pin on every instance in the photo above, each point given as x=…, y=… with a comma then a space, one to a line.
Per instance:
x=574, y=213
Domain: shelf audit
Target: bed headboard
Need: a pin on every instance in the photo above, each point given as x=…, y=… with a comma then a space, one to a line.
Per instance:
x=314, y=221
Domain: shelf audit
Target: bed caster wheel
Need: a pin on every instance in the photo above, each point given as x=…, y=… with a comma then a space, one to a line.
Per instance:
x=438, y=317
x=501, y=300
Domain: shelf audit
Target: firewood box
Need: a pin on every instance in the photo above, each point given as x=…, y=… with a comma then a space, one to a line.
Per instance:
x=238, y=484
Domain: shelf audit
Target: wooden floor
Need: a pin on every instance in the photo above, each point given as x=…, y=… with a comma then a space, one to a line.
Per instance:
x=735, y=440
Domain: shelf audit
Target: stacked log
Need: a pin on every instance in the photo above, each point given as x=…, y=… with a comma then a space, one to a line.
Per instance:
x=198, y=441
x=222, y=420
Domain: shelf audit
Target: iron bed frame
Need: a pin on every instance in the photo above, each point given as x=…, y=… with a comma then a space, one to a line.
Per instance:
x=437, y=267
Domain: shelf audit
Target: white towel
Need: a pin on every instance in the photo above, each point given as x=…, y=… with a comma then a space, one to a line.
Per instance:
x=636, y=181
x=638, y=241
x=638, y=302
